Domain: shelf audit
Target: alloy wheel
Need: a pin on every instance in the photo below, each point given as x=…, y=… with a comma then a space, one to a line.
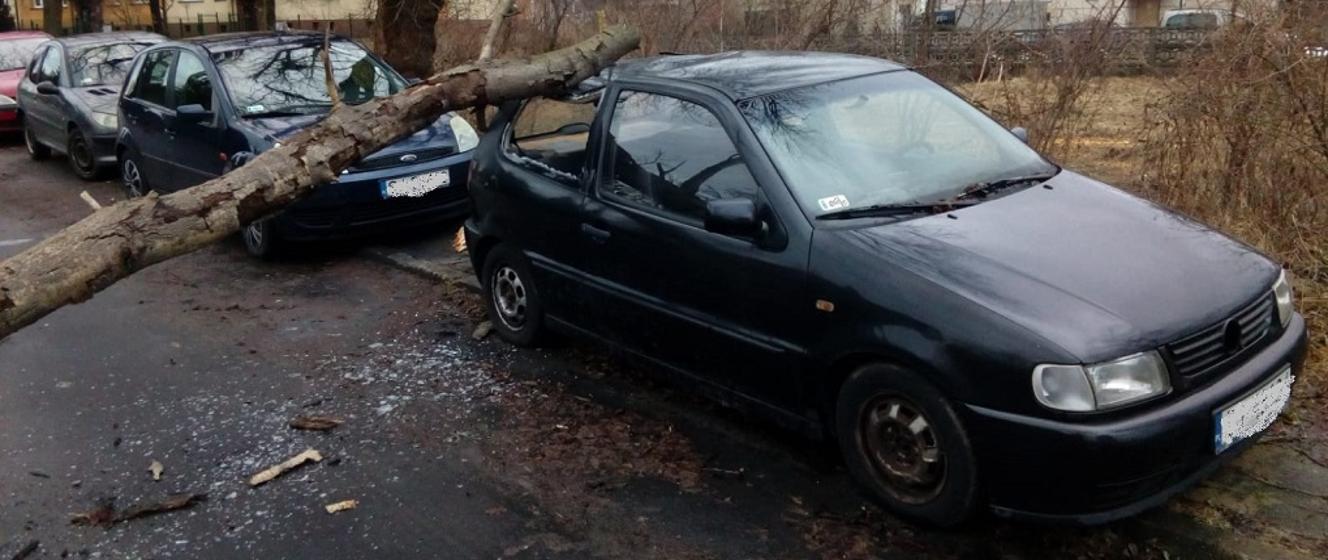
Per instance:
x=902, y=447
x=253, y=235
x=509, y=297
x=133, y=179
x=29, y=142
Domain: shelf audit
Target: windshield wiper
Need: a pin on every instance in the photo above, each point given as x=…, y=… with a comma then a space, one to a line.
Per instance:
x=987, y=188
x=896, y=209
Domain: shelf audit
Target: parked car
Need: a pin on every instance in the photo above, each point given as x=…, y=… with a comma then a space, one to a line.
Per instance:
x=16, y=48
x=841, y=244
x=1196, y=18
x=197, y=108
x=67, y=98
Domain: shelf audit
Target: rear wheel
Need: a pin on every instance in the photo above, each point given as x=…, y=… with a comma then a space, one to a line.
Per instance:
x=511, y=297
x=261, y=239
x=79, y=151
x=36, y=150
x=903, y=440
x=131, y=175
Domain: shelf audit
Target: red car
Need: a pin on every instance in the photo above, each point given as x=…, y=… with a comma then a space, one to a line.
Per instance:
x=16, y=48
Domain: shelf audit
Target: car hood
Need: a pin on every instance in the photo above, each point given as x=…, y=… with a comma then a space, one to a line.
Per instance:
x=1094, y=270
x=9, y=80
x=436, y=136
x=99, y=99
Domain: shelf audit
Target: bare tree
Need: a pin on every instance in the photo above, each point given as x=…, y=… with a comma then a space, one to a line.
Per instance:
x=118, y=240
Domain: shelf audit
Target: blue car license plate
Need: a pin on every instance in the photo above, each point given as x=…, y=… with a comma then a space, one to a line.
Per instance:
x=415, y=186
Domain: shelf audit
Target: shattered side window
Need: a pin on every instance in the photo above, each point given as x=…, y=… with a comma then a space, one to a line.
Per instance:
x=551, y=135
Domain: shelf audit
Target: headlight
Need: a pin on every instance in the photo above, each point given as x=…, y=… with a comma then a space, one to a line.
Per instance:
x=7, y=102
x=465, y=134
x=1285, y=302
x=106, y=120
x=1075, y=388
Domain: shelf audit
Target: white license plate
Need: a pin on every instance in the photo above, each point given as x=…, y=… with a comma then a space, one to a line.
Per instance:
x=416, y=185
x=1253, y=413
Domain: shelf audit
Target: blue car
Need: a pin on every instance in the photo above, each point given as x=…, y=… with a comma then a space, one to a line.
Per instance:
x=192, y=110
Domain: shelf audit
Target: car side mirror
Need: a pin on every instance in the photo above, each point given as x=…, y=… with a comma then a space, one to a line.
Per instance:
x=48, y=88
x=1021, y=133
x=733, y=216
x=192, y=113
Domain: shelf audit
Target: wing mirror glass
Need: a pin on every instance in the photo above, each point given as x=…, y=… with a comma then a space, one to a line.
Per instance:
x=1021, y=133
x=734, y=216
x=48, y=88
x=192, y=113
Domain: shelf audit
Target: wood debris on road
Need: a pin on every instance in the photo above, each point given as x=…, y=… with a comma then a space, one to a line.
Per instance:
x=156, y=468
x=104, y=515
x=341, y=506
x=279, y=469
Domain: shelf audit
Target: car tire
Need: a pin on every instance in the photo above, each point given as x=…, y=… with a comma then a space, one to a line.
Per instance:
x=902, y=440
x=511, y=297
x=131, y=175
x=79, y=152
x=36, y=150
x=261, y=239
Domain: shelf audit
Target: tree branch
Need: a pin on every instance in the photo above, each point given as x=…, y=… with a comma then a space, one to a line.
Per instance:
x=118, y=240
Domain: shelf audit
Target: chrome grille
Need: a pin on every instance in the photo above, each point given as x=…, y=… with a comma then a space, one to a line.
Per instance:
x=1213, y=346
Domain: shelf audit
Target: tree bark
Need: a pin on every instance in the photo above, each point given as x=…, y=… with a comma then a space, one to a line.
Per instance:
x=51, y=12
x=158, y=16
x=121, y=239
x=502, y=9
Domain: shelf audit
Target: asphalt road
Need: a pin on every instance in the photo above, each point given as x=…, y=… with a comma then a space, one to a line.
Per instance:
x=454, y=447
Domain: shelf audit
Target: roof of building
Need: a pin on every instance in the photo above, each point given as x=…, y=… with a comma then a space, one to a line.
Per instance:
x=743, y=74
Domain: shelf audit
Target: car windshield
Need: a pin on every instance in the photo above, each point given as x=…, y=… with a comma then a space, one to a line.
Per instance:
x=891, y=138
x=16, y=53
x=289, y=78
x=102, y=65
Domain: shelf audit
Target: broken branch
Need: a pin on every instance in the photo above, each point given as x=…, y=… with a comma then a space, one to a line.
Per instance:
x=118, y=240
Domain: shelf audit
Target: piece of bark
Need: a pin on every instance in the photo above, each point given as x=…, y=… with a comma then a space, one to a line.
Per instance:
x=341, y=506
x=172, y=502
x=156, y=468
x=281, y=468
x=118, y=240
x=103, y=514
x=314, y=423
x=20, y=552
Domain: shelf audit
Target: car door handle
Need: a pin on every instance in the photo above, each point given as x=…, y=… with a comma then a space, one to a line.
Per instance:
x=596, y=234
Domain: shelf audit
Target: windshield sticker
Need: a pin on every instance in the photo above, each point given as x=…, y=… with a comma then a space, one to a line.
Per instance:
x=831, y=203
x=254, y=109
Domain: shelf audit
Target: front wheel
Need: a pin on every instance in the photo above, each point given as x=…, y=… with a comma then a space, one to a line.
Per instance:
x=903, y=440
x=36, y=150
x=131, y=175
x=80, y=155
x=261, y=239
x=511, y=297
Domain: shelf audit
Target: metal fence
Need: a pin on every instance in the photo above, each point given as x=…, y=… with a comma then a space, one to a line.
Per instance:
x=211, y=24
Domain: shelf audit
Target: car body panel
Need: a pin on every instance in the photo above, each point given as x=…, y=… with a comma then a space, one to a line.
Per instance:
x=51, y=117
x=181, y=154
x=10, y=78
x=1067, y=271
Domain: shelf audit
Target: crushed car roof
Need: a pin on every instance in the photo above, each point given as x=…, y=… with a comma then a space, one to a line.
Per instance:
x=743, y=74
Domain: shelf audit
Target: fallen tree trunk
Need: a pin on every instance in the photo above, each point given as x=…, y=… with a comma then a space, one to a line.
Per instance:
x=121, y=239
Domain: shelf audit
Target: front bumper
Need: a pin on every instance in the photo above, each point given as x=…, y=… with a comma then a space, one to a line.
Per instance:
x=355, y=206
x=103, y=149
x=1092, y=473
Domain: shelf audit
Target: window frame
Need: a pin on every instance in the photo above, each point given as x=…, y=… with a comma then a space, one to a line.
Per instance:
x=204, y=62
x=510, y=150
x=141, y=67
x=33, y=70
x=605, y=164
x=59, y=52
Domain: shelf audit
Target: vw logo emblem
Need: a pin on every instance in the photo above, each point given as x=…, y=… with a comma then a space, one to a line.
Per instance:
x=408, y=158
x=1231, y=336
